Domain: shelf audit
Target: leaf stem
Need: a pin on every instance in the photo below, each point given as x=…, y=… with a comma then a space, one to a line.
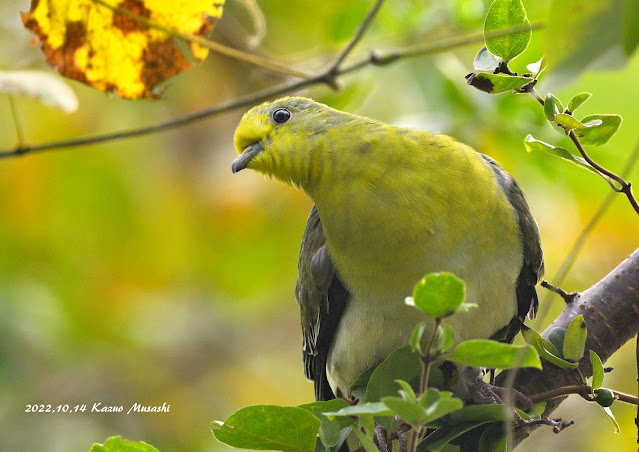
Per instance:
x=427, y=359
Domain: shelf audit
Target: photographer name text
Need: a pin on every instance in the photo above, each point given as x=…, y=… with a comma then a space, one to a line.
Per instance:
x=98, y=407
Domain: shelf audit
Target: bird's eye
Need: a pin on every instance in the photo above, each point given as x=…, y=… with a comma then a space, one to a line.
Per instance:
x=281, y=115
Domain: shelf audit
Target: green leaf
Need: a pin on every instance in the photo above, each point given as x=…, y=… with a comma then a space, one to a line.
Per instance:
x=506, y=15
x=416, y=337
x=329, y=430
x=480, y=413
x=597, y=370
x=366, y=441
x=568, y=121
x=439, y=294
x=493, y=439
x=363, y=379
x=556, y=337
x=523, y=414
x=363, y=409
x=419, y=414
x=411, y=412
x=443, y=407
x=326, y=406
x=577, y=100
x=630, y=26
x=117, y=444
x=497, y=83
x=552, y=107
x=575, y=340
x=445, y=339
x=538, y=409
x=269, y=427
x=608, y=411
x=486, y=61
x=444, y=435
x=494, y=355
x=533, y=144
x=430, y=397
x=367, y=423
x=537, y=67
x=402, y=364
x=407, y=391
x=546, y=350
x=343, y=435
x=602, y=129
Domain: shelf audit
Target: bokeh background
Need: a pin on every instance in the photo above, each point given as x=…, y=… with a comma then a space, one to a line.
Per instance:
x=144, y=271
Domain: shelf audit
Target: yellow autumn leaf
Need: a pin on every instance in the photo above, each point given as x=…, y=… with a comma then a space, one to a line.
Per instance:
x=114, y=52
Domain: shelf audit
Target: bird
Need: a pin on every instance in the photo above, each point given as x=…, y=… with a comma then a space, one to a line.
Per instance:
x=391, y=204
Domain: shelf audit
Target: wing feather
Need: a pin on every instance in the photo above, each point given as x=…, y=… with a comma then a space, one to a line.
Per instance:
x=532, y=269
x=322, y=298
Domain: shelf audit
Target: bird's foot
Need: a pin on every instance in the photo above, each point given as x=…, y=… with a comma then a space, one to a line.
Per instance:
x=484, y=393
x=351, y=400
x=380, y=438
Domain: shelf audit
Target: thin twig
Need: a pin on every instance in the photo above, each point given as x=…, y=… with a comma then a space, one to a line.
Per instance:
x=568, y=297
x=211, y=45
x=626, y=187
x=583, y=390
x=591, y=162
x=16, y=121
x=359, y=34
x=557, y=424
x=568, y=262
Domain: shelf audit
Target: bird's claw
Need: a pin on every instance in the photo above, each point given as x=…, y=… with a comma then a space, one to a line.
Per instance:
x=484, y=393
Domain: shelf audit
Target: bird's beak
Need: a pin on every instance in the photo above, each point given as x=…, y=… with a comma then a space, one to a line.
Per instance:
x=245, y=157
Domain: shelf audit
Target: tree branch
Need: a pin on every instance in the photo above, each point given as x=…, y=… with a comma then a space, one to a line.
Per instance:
x=611, y=312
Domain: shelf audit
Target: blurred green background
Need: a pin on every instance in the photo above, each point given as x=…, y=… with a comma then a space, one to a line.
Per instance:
x=144, y=271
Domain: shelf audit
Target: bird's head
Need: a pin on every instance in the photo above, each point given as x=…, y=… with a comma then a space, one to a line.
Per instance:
x=283, y=138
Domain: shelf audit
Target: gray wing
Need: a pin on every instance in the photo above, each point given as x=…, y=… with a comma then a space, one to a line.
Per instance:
x=532, y=269
x=322, y=298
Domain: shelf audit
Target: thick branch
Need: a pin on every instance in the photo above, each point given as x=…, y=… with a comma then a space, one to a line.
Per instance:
x=611, y=311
